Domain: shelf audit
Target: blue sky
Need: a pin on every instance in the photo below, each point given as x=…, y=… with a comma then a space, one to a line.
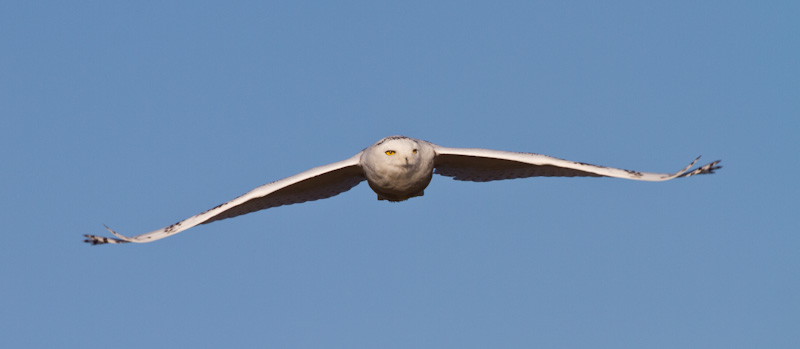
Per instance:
x=139, y=114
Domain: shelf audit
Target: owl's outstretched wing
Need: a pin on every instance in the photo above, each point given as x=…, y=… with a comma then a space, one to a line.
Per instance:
x=317, y=183
x=483, y=165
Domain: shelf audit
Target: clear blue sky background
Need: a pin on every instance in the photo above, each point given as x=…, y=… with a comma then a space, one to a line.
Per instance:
x=139, y=114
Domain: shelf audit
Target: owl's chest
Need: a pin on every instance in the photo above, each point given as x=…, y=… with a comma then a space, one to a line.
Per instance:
x=397, y=183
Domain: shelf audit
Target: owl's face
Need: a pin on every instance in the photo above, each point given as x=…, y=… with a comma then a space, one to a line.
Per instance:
x=402, y=152
x=398, y=156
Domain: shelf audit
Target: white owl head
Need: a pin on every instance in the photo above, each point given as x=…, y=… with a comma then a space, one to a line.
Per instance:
x=399, y=151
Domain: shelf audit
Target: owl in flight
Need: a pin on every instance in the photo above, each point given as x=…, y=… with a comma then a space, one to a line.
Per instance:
x=398, y=168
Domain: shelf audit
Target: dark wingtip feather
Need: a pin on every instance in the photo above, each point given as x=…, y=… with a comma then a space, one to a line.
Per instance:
x=705, y=169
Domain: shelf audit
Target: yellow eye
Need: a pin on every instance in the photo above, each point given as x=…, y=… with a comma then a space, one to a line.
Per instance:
x=415, y=151
x=390, y=152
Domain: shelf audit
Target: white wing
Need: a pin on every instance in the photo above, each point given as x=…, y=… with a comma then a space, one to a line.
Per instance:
x=317, y=183
x=483, y=165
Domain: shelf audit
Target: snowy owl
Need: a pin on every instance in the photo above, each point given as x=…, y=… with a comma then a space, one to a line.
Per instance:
x=398, y=168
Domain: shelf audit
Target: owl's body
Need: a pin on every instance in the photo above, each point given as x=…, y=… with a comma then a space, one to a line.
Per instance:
x=398, y=168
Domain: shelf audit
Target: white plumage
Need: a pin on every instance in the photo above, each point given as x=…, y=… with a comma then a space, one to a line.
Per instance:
x=398, y=168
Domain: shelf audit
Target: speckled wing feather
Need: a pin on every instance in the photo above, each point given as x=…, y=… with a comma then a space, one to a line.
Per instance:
x=483, y=165
x=317, y=183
